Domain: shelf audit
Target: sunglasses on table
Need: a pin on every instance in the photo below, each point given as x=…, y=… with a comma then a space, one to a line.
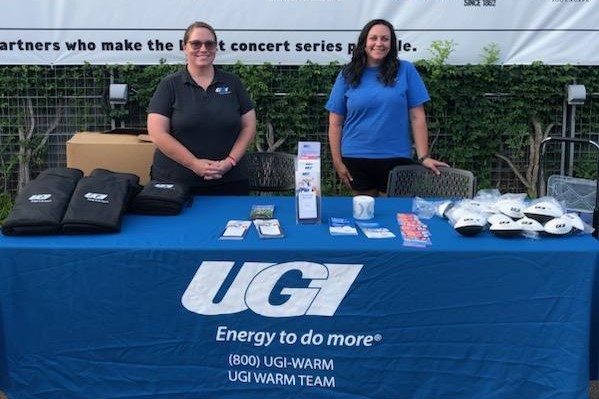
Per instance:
x=197, y=44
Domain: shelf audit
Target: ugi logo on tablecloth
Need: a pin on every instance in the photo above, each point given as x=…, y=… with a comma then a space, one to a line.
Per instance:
x=255, y=282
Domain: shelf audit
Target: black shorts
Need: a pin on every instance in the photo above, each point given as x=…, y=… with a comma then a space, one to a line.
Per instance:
x=369, y=173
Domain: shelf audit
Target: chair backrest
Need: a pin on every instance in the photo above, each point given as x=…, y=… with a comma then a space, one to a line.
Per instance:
x=418, y=181
x=271, y=171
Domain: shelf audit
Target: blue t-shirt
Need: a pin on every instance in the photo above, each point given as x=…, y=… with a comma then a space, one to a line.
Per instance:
x=377, y=121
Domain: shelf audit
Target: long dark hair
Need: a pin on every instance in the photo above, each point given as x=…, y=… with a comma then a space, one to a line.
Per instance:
x=389, y=67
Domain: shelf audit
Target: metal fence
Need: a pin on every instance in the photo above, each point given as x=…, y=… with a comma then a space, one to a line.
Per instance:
x=79, y=102
x=45, y=108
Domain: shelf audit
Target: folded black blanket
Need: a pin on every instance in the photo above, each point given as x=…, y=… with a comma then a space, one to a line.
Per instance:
x=68, y=173
x=132, y=179
x=160, y=198
x=40, y=206
x=97, y=205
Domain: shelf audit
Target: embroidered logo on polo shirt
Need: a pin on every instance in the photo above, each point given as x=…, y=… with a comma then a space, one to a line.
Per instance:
x=223, y=90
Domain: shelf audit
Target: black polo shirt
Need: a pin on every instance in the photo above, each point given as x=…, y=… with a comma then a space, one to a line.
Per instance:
x=207, y=122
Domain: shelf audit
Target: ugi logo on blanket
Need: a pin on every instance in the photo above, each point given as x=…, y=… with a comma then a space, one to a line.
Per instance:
x=327, y=285
x=40, y=198
x=166, y=186
x=96, y=197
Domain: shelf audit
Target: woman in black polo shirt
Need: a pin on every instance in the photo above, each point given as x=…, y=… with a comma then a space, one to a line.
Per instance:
x=202, y=120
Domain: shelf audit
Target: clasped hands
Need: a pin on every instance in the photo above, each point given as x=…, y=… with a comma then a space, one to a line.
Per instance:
x=210, y=169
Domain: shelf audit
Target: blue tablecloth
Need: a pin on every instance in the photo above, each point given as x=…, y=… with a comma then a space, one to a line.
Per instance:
x=165, y=309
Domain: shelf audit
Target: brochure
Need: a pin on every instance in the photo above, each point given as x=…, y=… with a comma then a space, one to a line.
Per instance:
x=375, y=230
x=262, y=212
x=342, y=227
x=307, y=182
x=269, y=228
x=235, y=230
x=307, y=205
x=414, y=232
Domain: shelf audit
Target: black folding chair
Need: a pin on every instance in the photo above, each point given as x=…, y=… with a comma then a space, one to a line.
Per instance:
x=418, y=181
x=271, y=171
x=577, y=194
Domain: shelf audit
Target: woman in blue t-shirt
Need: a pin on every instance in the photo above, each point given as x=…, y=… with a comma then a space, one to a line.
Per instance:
x=375, y=102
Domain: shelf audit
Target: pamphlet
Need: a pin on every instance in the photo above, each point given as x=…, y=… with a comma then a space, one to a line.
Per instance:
x=262, y=212
x=342, y=227
x=307, y=207
x=375, y=230
x=414, y=232
x=307, y=182
x=269, y=228
x=235, y=230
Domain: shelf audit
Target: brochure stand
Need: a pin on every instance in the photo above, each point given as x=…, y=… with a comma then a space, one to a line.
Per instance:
x=307, y=183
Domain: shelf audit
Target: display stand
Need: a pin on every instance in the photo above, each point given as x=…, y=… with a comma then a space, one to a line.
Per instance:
x=307, y=183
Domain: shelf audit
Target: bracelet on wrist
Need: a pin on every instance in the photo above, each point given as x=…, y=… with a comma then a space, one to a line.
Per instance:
x=423, y=158
x=233, y=161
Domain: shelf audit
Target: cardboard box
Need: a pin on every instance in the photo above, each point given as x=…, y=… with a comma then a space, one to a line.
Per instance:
x=116, y=152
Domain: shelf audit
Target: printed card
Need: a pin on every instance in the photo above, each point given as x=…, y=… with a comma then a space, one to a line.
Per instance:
x=342, y=227
x=268, y=228
x=375, y=230
x=262, y=212
x=236, y=230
